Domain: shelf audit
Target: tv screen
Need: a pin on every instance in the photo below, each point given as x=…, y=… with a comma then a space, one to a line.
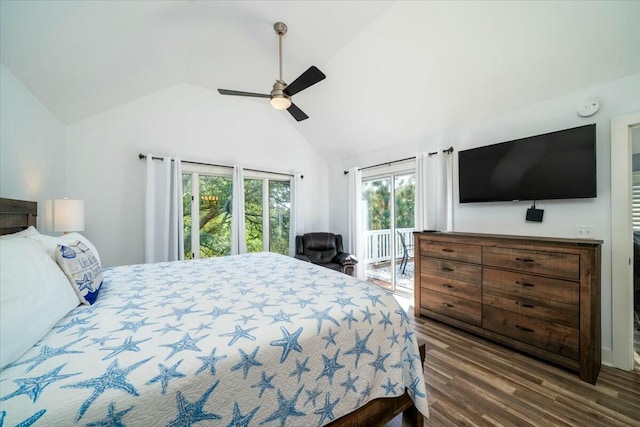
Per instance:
x=556, y=165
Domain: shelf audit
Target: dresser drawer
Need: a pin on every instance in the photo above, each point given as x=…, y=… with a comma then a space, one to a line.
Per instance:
x=526, y=285
x=453, y=251
x=540, y=333
x=451, y=270
x=548, y=263
x=462, y=289
x=540, y=308
x=452, y=306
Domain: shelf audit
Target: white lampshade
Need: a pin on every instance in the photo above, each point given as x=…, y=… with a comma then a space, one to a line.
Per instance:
x=64, y=215
x=280, y=102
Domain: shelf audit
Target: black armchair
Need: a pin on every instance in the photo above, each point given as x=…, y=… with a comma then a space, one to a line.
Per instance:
x=325, y=249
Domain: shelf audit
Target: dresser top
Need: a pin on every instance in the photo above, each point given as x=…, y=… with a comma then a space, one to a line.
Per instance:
x=512, y=238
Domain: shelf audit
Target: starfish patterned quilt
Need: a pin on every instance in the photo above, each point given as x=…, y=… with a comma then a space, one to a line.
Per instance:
x=246, y=340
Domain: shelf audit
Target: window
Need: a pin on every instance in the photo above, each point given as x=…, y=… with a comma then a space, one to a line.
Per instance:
x=267, y=211
x=279, y=216
x=253, y=213
x=207, y=204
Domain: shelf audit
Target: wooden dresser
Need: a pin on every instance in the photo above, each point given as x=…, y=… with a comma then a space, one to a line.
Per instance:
x=537, y=295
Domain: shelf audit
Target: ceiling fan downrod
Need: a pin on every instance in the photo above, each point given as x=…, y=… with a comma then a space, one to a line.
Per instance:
x=279, y=100
x=281, y=30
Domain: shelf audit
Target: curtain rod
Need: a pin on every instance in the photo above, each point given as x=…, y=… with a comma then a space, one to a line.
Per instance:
x=143, y=156
x=447, y=151
x=384, y=164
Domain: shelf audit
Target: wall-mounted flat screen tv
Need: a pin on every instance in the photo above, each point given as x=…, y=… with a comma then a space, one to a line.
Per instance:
x=556, y=165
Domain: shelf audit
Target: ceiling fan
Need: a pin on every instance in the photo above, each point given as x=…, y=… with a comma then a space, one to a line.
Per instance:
x=281, y=93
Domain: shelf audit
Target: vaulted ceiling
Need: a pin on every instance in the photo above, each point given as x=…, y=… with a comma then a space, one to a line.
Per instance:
x=395, y=70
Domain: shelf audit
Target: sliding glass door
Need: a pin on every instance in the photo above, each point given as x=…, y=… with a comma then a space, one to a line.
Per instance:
x=404, y=197
x=279, y=216
x=267, y=213
x=207, y=215
x=388, y=202
x=207, y=202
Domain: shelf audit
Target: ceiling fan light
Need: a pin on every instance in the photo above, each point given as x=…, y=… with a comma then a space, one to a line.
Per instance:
x=280, y=102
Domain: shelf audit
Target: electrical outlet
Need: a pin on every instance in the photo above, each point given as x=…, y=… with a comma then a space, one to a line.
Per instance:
x=584, y=231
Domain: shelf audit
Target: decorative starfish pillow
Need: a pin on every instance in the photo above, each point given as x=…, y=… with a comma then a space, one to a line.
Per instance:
x=83, y=270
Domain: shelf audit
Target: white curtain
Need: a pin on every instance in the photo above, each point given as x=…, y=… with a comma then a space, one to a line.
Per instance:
x=421, y=193
x=296, y=222
x=356, y=243
x=436, y=197
x=446, y=176
x=238, y=230
x=163, y=230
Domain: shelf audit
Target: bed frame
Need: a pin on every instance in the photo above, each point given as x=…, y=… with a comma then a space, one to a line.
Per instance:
x=379, y=412
x=16, y=215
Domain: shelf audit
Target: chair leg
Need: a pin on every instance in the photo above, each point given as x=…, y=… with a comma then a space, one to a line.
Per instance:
x=403, y=263
x=349, y=270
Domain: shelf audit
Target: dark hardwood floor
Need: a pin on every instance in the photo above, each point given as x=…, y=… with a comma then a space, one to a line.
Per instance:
x=474, y=382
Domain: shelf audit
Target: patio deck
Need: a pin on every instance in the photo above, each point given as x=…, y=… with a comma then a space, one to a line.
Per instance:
x=380, y=274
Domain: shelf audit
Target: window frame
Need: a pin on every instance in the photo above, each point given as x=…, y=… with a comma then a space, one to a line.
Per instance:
x=391, y=172
x=266, y=178
x=196, y=171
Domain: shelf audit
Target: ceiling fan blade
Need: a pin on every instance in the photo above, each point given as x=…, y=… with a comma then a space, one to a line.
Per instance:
x=306, y=79
x=239, y=93
x=297, y=113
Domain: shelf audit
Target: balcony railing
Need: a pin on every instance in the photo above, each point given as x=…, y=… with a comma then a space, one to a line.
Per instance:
x=378, y=244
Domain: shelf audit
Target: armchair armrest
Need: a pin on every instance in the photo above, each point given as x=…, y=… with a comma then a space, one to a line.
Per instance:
x=302, y=257
x=345, y=258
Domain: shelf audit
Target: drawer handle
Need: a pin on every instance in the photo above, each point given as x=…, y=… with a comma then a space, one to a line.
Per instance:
x=525, y=260
x=447, y=250
x=528, y=285
x=524, y=304
x=448, y=269
x=522, y=328
x=446, y=304
x=446, y=285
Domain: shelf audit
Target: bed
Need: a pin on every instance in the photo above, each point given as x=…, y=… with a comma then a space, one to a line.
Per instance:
x=253, y=339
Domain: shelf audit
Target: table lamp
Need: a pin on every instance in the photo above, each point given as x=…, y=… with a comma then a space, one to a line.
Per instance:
x=64, y=215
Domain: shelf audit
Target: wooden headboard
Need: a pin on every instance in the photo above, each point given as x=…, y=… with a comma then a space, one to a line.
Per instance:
x=16, y=215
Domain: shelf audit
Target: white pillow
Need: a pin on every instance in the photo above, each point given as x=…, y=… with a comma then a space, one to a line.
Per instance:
x=28, y=232
x=50, y=243
x=83, y=270
x=34, y=295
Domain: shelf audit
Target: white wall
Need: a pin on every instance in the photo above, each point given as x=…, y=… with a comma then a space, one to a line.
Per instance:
x=31, y=145
x=635, y=140
x=561, y=216
x=191, y=123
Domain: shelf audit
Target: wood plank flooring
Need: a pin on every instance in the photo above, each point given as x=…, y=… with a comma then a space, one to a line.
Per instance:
x=474, y=382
